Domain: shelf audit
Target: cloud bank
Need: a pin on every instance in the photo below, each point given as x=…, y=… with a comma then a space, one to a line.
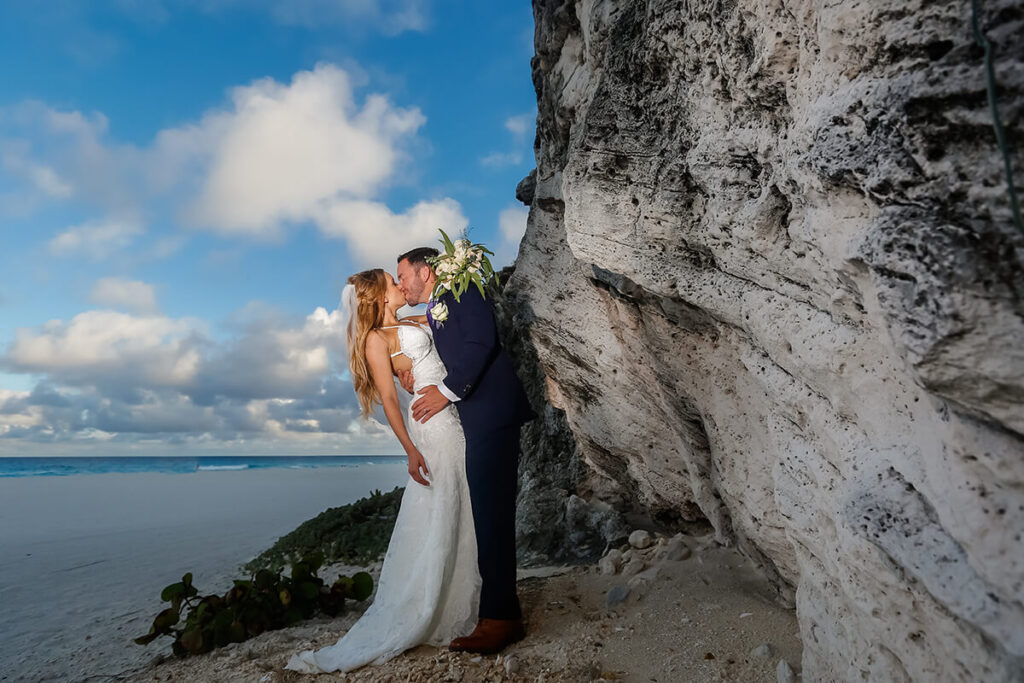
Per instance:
x=114, y=377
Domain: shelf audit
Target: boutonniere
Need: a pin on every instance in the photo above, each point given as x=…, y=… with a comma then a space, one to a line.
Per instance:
x=439, y=312
x=461, y=264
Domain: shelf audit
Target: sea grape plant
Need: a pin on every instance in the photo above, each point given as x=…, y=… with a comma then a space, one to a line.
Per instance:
x=264, y=602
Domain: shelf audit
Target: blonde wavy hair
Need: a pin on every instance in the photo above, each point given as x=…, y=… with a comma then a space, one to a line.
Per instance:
x=370, y=286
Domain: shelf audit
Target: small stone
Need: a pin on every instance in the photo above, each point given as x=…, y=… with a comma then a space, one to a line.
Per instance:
x=677, y=550
x=476, y=660
x=763, y=651
x=640, y=539
x=627, y=556
x=641, y=583
x=616, y=594
x=784, y=672
x=610, y=563
x=638, y=585
x=633, y=567
x=511, y=665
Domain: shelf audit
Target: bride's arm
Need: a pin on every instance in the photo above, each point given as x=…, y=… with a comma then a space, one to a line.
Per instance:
x=379, y=360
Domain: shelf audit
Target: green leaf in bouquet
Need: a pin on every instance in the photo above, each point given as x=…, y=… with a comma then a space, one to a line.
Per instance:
x=449, y=247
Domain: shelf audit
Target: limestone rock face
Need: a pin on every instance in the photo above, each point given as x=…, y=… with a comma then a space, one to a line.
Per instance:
x=771, y=278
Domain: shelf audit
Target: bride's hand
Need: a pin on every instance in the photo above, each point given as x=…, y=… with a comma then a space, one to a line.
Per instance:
x=417, y=463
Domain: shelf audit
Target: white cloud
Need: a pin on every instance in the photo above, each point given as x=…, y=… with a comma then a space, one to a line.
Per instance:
x=512, y=225
x=127, y=378
x=285, y=150
x=519, y=125
x=108, y=347
x=499, y=159
x=377, y=235
x=281, y=154
x=96, y=240
x=132, y=295
x=41, y=177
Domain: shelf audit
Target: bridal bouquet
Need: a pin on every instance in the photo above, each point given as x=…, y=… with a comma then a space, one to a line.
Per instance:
x=461, y=264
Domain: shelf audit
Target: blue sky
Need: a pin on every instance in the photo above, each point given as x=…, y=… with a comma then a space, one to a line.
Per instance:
x=186, y=184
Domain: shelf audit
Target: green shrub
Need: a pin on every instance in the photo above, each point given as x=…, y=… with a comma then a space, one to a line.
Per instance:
x=264, y=602
x=357, y=533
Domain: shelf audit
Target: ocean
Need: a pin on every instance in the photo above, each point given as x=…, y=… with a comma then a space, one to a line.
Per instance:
x=48, y=467
x=86, y=544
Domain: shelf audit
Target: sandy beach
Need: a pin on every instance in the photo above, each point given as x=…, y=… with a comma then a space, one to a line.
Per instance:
x=84, y=557
x=706, y=617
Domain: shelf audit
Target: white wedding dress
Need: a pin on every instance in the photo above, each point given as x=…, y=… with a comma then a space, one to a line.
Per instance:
x=429, y=586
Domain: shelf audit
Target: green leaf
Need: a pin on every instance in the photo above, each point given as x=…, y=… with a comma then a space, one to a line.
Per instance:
x=449, y=247
x=265, y=579
x=192, y=640
x=362, y=586
x=315, y=560
x=175, y=590
x=236, y=632
x=187, y=579
x=309, y=590
x=480, y=286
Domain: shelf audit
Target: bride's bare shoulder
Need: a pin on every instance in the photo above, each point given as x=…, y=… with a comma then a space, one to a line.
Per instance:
x=376, y=342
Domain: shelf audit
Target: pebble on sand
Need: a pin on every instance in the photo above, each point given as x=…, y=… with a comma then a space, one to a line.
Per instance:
x=616, y=594
x=640, y=539
x=784, y=672
x=633, y=567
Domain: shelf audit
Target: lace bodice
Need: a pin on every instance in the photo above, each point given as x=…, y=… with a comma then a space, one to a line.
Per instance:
x=417, y=343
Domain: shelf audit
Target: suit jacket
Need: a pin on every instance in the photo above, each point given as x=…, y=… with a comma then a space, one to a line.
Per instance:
x=480, y=373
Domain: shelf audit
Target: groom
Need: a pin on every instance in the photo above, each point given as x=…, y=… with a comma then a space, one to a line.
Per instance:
x=492, y=405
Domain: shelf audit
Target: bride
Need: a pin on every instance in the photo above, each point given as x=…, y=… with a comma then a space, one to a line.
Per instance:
x=429, y=586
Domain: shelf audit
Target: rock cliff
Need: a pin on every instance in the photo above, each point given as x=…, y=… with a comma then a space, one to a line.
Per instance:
x=770, y=280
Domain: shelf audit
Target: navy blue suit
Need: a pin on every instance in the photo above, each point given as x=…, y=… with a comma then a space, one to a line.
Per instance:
x=492, y=407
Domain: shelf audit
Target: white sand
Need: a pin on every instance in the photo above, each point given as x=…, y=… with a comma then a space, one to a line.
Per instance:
x=83, y=558
x=698, y=620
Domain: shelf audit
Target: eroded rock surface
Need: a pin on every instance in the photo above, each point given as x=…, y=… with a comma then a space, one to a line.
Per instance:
x=771, y=279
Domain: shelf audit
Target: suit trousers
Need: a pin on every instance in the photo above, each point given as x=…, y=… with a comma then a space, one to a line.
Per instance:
x=492, y=470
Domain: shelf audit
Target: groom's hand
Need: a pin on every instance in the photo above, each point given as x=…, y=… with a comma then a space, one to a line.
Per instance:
x=429, y=404
x=405, y=378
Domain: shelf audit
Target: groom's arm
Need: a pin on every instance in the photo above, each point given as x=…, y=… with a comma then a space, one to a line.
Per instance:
x=471, y=321
x=478, y=335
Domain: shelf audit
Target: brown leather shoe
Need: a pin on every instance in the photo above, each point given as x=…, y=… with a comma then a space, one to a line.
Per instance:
x=490, y=636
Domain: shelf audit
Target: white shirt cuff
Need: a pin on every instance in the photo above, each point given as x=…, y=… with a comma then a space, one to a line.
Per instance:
x=447, y=393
